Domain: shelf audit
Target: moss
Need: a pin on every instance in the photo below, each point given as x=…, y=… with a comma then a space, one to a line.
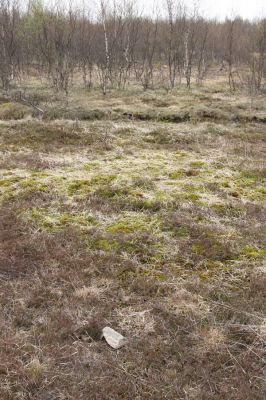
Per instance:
x=128, y=226
x=79, y=186
x=160, y=276
x=212, y=265
x=83, y=219
x=8, y=187
x=197, y=248
x=261, y=190
x=106, y=245
x=190, y=188
x=7, y=182
x=39, y=174
x=140, y=204
x=108, y=191
x=182, y=231
x=219, y=207
x=204, y=275
x=39, y=216
x=49, y=222
x=33, y=185
x=253, y=252
x=189, y=196
x=210, y=269
x=50, y=219
x=257, y=194
x=88, y=166
x=197, y=164
x=176, y=174
x=145, y=183
x=103, y=179
x=225, y=184
x=181, y=154
x=249, y=177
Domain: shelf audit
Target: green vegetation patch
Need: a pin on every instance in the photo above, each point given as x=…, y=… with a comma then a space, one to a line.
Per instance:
x=48, y=218
x=103, y=179
x=79, y=186
x=253, y=252
x=33, y=184
x=177, y=174
x=130, y=224
x=198, y=164
x=9, y=181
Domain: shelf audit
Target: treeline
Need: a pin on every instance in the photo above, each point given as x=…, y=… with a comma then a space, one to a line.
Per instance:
x=114, y=45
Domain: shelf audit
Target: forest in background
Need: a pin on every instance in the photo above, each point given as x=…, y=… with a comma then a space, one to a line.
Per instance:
x=114, y=45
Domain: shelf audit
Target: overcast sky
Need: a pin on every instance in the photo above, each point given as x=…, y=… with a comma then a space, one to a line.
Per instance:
x=218, y=8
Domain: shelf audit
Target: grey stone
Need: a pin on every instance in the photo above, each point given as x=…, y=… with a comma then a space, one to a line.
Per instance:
x=113, y=338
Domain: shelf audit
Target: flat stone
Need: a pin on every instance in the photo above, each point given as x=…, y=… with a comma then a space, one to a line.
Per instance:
x=113, y=338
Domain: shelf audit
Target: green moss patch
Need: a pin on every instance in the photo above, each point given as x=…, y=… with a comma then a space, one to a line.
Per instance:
x=253, y=252
x=79, y=186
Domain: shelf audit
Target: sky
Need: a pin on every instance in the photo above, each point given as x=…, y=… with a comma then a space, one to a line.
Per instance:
x=250, y=9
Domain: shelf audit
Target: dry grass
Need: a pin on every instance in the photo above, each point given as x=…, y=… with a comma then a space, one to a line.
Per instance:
x=155, y=229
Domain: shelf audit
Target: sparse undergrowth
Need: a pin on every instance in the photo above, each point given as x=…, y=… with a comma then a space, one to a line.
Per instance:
x=154, y=229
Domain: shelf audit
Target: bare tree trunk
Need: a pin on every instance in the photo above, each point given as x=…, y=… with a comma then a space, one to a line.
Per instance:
x=105, y=68
x=231, y=81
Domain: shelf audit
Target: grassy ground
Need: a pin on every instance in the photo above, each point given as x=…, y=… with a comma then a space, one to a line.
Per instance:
x=146, y=213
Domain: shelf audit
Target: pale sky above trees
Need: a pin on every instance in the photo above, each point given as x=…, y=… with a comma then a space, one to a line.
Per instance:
x=217, y=8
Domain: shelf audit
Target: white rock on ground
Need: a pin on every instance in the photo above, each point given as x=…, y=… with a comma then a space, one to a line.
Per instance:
x=113, y=338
